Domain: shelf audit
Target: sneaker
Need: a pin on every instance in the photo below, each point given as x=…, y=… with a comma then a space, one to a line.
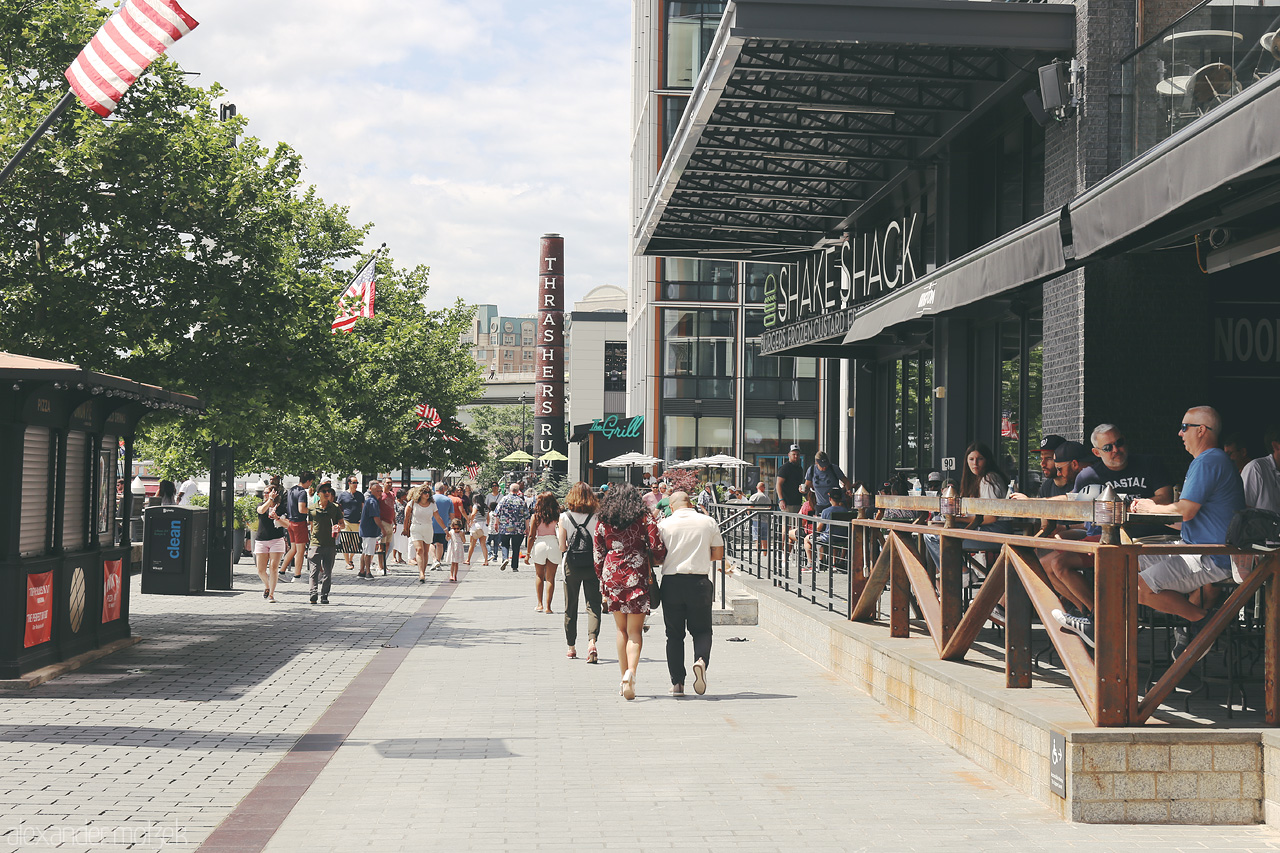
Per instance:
x=288, y=578
x=676, y=690
x=997, y=614
x=1184, y=634
x=313, y=599
x=324, y=600
x=514, y=569
x=699, y=677
x=1082, y=625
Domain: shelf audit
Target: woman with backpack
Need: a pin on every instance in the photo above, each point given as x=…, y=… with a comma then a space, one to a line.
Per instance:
x=577, y=540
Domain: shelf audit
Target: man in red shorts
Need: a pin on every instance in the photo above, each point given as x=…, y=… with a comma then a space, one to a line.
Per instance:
x=297, y=517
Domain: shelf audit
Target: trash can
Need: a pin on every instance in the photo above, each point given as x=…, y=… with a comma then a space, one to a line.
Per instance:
x=175, y=544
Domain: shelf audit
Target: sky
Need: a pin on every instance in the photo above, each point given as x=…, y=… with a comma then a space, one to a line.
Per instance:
x=463, y=131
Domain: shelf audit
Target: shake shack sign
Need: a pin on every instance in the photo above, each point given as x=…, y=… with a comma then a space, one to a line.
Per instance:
x=816, y=299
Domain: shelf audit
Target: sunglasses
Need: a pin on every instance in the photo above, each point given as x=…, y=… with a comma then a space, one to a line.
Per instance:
x=1186, y=427
x=1107, y=448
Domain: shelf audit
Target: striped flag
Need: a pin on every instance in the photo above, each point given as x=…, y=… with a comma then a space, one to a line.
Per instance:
x=138, y=33
x=357, y=300
x=473, y=471
x=430, y=417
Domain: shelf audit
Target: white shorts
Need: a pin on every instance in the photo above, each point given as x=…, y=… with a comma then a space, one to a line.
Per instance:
x=421, y=533
x=269, y=546
x=1182, y=573
x=480, y=529
x=369, y=545
x=546, y=549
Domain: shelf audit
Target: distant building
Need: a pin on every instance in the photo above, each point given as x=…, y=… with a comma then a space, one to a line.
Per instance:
x=596, y=383
x=503, y=346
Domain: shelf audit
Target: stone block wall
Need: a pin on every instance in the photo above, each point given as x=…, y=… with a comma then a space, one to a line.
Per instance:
x=1135, y=775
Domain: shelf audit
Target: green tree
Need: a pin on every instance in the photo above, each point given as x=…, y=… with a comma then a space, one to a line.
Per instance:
x=155, y=247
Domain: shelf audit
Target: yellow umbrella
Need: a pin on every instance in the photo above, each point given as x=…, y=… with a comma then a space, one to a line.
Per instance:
x=553, y=456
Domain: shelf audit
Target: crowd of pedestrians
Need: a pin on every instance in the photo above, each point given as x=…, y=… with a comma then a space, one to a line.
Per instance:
x=626, y=552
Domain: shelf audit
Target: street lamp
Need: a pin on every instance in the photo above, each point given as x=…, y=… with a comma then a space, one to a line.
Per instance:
x=524, y=442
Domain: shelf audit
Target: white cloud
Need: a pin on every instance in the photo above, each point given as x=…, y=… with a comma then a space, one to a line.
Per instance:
x=462, y=130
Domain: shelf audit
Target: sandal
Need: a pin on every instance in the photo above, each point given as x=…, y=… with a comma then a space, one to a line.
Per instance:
x=629, y=686
x=592, y=657
x=572, y=653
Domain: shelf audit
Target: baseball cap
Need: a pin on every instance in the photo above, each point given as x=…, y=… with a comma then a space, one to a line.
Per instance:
x=1070, y=451
x=1051, y=442
x=793, y=447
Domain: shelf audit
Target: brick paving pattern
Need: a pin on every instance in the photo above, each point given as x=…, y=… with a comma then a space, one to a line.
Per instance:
x=487, y=738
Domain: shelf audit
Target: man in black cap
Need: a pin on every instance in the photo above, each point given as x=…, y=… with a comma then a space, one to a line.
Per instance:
x=1048, y=445
x=823, y=476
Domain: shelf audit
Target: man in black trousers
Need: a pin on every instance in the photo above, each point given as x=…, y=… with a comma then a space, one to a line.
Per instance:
x=693, y=543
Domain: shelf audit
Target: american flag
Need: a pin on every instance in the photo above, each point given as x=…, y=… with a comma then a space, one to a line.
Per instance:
x=138, y=33
x=430, y=417
x=473, y=471
x=357, y=300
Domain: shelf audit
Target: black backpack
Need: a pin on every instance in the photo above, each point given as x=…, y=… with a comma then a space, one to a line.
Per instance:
x=1254, y=530
x=581, y=549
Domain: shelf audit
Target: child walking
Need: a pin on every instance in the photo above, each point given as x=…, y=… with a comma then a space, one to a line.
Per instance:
x=457, y=547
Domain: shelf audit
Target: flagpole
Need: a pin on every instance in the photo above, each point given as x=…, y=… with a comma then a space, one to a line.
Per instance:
x=48, y=122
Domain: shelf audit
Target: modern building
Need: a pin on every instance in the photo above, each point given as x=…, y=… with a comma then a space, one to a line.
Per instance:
x=984, y=221
x=696, y=314
x=596, y=382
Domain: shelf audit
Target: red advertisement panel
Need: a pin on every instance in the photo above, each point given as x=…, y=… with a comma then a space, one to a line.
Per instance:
x=112, y=573
x=39, y=609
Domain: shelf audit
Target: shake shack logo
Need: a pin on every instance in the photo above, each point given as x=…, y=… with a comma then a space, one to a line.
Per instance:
x=861, y=269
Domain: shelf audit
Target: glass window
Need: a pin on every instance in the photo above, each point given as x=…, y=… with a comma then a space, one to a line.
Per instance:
x=911, y=403
x=699, y=344
x=762, y=436
x=691, y=27
x=715, y=435
x=615, y=366
x=679, y=437
x=754, y=280
x=1020, y=398
x=672, y=110
x=694, y=280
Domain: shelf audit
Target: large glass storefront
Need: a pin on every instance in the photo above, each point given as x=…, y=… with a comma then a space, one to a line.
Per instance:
x=698, y=353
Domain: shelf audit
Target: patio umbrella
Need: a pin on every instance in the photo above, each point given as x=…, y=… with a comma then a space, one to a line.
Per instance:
x=628, y=460
x=553, y=456
x=724, y=460
x=518, y=456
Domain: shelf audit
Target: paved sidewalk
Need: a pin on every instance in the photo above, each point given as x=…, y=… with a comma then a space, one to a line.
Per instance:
x=485, y=737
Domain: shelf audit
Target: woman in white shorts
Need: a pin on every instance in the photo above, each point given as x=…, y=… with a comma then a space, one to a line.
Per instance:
x=417, y=525
x=479, y=530
x=268, y=548
x=545, y=554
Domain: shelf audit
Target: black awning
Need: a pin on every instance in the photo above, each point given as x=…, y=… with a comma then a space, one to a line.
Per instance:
x=579, y=433
x=809, y=112
x=1026, y=255
x=1222, y=147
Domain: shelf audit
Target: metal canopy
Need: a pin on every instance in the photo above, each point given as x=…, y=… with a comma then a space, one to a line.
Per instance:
x=807, y=113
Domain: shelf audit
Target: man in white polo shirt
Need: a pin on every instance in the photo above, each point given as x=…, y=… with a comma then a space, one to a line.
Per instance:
x=693, y=542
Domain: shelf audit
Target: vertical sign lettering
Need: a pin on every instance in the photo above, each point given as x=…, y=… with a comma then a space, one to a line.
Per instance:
x=548, y=389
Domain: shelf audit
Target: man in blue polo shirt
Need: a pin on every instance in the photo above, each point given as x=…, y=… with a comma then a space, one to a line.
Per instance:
x=440, y=522
x=1211, y=495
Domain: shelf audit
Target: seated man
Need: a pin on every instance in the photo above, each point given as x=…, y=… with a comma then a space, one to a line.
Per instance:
x=1211, y=495
x=1067, y=570
x=1048, y=467
x=1261, y=477
x=1131, y=475
x=823, y=534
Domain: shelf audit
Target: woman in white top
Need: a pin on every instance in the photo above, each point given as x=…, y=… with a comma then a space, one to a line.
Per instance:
x=479, y=528
x=577, y=537
x=981, y=478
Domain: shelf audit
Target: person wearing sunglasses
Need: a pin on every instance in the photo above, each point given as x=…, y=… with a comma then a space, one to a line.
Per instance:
x=1211, y=494
x=1132, y=475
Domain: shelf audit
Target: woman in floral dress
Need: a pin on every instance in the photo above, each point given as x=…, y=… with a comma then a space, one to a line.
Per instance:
x=627, y=543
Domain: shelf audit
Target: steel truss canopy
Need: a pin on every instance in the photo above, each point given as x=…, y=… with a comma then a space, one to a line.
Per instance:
x=807, y=112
